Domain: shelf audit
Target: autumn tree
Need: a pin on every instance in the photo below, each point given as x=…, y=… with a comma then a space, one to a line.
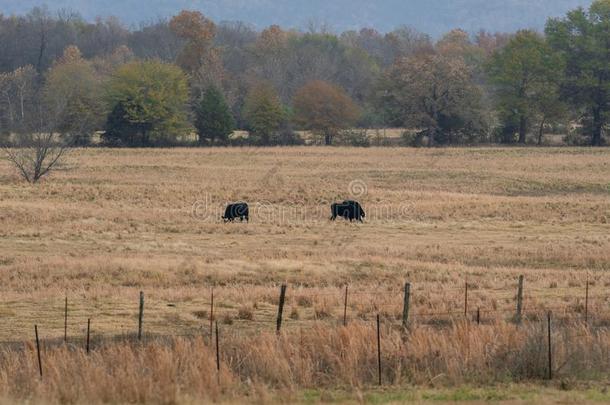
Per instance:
x=213, y=119
x=456, y=43
x=264, y=113
x=147, y=103
x=272, y=58
x=198, y=32
x=435, y=93
x=325, y=109
x=73, y=93
x=582, y=37
x=526, y=75
x=105, y=65
x=289, y=61
x=489, y=43
x=323, y=57
x=198, y=57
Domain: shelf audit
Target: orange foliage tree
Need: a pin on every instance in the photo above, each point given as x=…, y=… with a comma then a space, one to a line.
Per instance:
x=325, y=109
x=199, y=57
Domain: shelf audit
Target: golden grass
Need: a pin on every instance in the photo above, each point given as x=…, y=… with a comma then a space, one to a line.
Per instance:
x=113, y=222
x=265, y=366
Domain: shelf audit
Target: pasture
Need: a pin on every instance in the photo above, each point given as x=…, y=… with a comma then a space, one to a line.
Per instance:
x=113, y=222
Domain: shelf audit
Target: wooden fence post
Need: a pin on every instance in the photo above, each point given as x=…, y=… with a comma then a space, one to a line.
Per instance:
x=88, y=334
x=587, y=302
x=280, y=308
x=66, y=320
x=211, y=314
x=478, y=316
x=466, y=300
x=38, y=350
x=518, y=315
x=217, y=354
x=405, y=305
x=378, y=349
x=141, y=315
x=345, y=307
x=550, y=353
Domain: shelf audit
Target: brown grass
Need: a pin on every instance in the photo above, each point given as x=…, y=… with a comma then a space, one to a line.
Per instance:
x=114, y=222
x=259, y=367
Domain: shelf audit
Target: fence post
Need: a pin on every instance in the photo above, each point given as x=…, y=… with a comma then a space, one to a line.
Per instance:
x=466, y=300
x=141, y=315
x=217, y=354
x=66, y=320
x=378, y=349
x=549, y=346
x=478, y=316
x=280, y=308
x=587, y=302
x=405, y=305
x=38, y=350
x=518, y=315
x=211, y=314
x=345, y=307
x=88, y=333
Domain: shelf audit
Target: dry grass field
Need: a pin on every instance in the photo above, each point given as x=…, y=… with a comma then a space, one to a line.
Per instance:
x=112, y=223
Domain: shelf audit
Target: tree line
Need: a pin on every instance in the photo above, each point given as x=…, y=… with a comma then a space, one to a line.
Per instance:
x=189, y=81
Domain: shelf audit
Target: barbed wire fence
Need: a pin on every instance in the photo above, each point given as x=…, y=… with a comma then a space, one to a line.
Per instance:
x=398, y=309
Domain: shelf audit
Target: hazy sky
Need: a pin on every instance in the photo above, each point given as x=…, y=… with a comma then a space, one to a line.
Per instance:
x=431, y=16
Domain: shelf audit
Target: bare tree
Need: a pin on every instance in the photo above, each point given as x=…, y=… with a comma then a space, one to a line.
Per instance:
x=36, y=155
x=16, y=88
x=33, y=145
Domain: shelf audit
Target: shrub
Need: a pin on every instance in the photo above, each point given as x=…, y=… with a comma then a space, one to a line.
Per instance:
x=355, y=137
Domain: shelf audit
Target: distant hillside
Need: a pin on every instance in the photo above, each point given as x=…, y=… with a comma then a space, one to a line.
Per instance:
x=431, y=16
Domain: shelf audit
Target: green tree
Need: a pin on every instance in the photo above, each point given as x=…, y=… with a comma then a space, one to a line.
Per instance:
x=325, y=109
x=526, y=75
x=148, y=102
x=72, y=92
x=213, y=118
x=583, y=37
x=264, y=113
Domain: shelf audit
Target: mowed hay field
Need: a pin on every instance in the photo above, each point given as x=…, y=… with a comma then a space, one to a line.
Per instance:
x=113, y=222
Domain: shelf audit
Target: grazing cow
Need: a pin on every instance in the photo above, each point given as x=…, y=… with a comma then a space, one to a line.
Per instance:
x=237, y=210
x=348, y=209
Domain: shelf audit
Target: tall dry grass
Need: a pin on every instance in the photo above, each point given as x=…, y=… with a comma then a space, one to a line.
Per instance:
x=262, y=366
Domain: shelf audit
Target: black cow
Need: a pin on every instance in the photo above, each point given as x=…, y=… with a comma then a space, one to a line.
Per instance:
x=237, y=210
x=348, y=209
